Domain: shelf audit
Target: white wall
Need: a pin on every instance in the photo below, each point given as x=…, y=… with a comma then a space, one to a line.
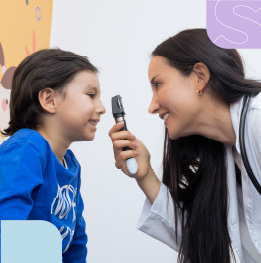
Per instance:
x=118, y=37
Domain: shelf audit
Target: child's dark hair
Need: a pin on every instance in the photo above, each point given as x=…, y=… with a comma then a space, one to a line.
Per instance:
x=51, y=68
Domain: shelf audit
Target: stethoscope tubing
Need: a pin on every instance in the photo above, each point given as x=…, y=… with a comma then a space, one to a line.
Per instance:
x=242, y=144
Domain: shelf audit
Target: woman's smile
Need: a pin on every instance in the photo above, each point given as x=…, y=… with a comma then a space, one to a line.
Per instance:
x=165, y=118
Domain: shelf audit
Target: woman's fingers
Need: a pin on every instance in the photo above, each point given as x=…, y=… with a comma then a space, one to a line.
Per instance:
x=137, y=149
x=123, y=156
x=122, y=135
x=120, y=144
x=116, y=134
x=117, y=127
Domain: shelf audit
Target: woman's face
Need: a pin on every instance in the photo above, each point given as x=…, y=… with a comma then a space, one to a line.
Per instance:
x=175, y=98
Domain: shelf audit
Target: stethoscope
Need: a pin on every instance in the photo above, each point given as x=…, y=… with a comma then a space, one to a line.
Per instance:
x=242, y=144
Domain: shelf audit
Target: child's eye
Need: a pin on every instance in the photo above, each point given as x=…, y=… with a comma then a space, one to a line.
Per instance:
x=91, y=95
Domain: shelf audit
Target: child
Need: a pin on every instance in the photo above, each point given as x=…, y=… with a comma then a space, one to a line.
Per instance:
x=55, y=100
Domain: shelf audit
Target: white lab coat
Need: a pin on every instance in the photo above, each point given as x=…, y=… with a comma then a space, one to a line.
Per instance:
x=244, y=215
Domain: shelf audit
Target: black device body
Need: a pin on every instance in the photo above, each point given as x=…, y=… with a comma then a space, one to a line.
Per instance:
x=118, y=113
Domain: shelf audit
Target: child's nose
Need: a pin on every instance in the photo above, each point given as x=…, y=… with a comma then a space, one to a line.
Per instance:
x=101, y=108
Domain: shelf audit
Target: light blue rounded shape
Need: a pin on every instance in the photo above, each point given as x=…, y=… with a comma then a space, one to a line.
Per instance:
x=27, y=241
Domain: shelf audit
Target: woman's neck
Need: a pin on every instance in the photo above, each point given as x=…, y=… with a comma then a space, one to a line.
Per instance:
x=216, y=124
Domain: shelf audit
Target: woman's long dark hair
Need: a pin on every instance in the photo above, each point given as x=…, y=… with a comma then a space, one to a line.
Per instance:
x=194, y=167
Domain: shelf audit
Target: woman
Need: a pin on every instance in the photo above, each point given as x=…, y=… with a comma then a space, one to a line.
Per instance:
x=200, y=209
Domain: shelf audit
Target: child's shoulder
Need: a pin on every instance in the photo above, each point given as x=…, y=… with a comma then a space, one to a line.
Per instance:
x=26, y=137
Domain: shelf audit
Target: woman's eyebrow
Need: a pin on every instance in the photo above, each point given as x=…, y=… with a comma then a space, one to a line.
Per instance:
x=153, y=79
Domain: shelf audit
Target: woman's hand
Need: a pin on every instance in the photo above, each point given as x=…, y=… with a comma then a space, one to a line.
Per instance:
x=121, y=139
x=145, y=176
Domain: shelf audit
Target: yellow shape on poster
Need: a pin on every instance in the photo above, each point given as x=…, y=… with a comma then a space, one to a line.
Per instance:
x=25, y=27
x=18, y=21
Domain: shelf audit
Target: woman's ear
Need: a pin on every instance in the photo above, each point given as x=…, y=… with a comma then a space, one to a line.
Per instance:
x=202, y=74
x=47, y=99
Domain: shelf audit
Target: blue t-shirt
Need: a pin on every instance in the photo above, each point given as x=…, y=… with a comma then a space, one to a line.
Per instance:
x=34, y=185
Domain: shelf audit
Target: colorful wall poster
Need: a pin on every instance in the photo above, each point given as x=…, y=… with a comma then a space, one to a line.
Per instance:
x=25, y=27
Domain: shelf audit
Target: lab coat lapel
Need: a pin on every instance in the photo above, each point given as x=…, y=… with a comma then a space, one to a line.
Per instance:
x=233, y=218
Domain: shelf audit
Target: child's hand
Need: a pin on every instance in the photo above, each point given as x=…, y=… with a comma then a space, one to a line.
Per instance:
x=121, y=139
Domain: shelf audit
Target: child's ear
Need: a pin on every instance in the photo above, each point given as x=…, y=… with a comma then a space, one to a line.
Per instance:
x=47, y=99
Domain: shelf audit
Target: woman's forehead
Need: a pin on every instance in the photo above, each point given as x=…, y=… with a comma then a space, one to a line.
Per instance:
x=159, y=66
x=157, y=63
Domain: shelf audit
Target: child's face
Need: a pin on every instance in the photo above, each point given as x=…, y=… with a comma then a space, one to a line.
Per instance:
x=79, y=112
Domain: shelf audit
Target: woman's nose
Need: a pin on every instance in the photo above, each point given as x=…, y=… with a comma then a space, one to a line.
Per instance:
x=154, y=106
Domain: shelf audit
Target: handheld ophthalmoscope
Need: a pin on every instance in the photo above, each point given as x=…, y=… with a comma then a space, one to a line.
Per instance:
x=118, y=114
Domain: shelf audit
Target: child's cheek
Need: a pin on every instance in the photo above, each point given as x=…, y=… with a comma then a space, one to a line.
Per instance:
x=90, y=108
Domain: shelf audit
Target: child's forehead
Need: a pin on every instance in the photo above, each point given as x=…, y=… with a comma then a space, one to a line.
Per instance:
x=86, y=79
x=93, y=88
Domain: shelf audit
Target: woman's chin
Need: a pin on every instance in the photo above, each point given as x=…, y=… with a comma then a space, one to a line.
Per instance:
x=175, y=135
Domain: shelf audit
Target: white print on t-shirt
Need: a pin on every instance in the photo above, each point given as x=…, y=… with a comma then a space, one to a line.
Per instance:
x=64, y=201
x=68, y=230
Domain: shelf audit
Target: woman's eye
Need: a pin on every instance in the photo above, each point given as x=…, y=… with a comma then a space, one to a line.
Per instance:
x=156, y=85
x=91, y=95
